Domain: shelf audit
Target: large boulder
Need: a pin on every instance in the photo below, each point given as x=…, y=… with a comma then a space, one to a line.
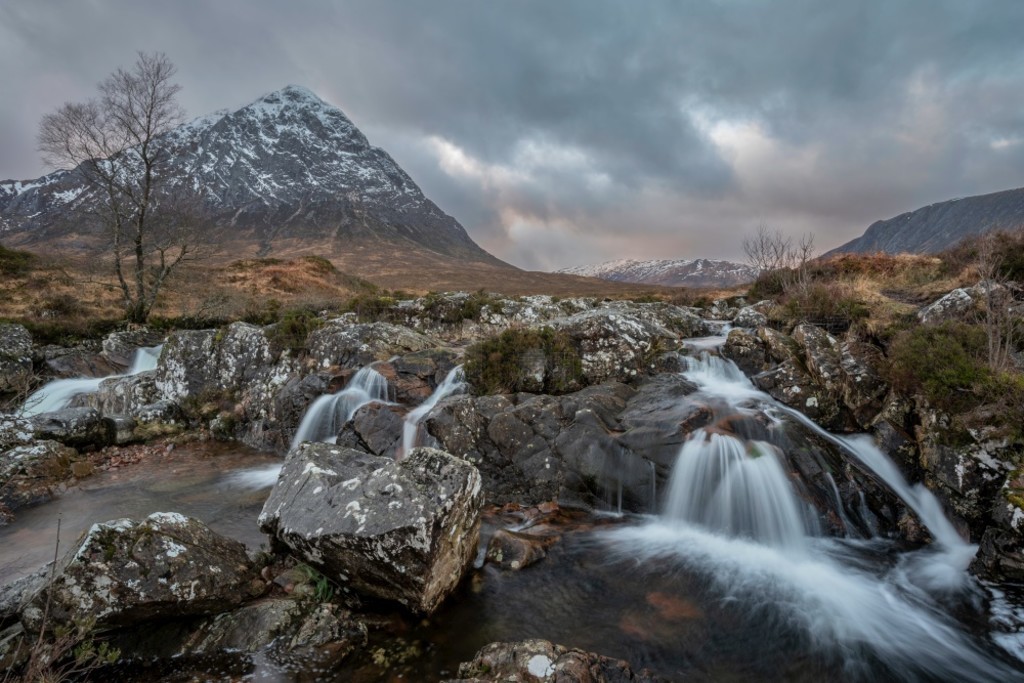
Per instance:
x=746, y=350
x=539, y=661
x=125, y=395
x=340, y=343
x=125, y=572
x=15, y=358
x=615, y=344
x=403, y=531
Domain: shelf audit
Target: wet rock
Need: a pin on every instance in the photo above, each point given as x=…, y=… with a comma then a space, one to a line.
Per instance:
x=375, y=428
x=31, y=473
x=539, y=661
x=15, y=358
x=779, y=347
x=414, y=376
x=513, y=550
x=294, y=629
x=340, y=343
x=81, y=361
x=398, y=531
x=126, y=572
x=120, y=347
x=14, y=596
x=791, y=384
x=746, y=350
x=721, y=309
x=77, y=427
x=125, y=395
x=966, y=470
x=568, y=448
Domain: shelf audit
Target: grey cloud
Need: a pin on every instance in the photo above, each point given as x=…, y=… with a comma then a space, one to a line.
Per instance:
x=594, y=129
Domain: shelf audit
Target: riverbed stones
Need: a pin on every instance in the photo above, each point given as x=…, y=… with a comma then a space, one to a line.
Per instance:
x=402, y=531
x=124, y=572
x=540, y=661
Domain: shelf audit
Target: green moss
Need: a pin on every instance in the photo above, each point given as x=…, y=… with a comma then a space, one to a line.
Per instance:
x=509, y=362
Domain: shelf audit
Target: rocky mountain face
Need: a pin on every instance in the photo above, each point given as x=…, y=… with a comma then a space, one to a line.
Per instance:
x=288, y=165
x=670, y=272
x=939, y=226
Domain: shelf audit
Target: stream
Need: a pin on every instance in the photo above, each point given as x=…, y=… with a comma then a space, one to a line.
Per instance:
x=732, y=579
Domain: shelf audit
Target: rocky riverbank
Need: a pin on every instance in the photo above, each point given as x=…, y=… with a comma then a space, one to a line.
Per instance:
x=591, y=416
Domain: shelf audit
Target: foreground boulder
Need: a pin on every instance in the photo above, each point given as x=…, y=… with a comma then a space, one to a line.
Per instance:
x=404, y=531
x=29, y=474
x=124, y=572
x=538, y=661
x=76, y=427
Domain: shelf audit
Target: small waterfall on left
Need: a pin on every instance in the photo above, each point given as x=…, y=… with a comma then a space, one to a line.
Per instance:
x=59, y=393
x=329, y=413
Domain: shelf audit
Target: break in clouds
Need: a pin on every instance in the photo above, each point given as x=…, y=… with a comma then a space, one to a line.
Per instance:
x=574, y=132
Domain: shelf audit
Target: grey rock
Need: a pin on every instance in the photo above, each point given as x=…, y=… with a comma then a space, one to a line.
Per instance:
x=125, y=572
x=403, y=531
x=77, y=427
x=31, y=473
x=746, y=350
x=340, y=343
x=539, y=661
x=751, y=317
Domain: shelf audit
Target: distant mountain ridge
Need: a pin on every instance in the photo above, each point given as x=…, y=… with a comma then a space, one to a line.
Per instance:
x=286, y=166
x=942, y=225
x=670, y=272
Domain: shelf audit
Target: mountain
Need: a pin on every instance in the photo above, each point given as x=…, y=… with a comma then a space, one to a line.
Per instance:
x=671, y=273
x=942, y=225
x=286, y=172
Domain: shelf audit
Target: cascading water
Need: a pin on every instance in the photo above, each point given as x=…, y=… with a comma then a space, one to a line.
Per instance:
x=58, y=394
x=329, y=413
x=454, y=382
x=734, y=517
x=735, y=488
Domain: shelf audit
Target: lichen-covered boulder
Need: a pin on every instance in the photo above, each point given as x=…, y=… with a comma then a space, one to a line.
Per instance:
x=15, y=357
x=615, y=345
x=539, y=661
x=77, y=427
x=746, y=350
x=403, y=531
x=954, y=305
x=753, y=316
x=340, y=343
x=125, y=395
x=124, y=572
x=29, y=473
x=863, y=387
x=14, y=431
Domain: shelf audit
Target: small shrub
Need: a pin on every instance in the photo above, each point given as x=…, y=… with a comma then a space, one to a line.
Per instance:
x=524, y=360
x=14, y=262
x=372, y=307
x=292, y=330
x=452, y=310
x=944, y=363
x=829, y=305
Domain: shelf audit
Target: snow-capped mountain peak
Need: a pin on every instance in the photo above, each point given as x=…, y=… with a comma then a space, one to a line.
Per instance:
x=669, y=272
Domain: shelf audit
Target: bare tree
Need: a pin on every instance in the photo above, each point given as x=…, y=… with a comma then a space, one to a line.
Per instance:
x=118, y=144
x=1000, y=322
x=771, y=252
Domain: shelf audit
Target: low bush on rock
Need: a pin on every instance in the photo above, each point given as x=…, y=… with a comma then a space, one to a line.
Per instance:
x=291, y=332
x=533, y=360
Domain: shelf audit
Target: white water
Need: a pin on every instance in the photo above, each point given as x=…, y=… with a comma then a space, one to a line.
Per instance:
x=735, y=488
x=255, y=479
x=58, y=394
x=329, y=413
x=454, y=381
x=733, y=516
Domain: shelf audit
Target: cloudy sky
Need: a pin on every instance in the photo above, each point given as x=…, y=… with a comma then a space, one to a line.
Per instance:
x=562, y=133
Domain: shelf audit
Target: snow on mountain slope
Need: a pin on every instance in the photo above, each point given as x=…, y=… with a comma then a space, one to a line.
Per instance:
x=671, y=273
x=287, y=165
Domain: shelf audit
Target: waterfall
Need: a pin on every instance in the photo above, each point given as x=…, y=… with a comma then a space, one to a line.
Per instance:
x=454, y=381
x=733, y=516
x=735, y=488
x=329, y=413
x=59, y=393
